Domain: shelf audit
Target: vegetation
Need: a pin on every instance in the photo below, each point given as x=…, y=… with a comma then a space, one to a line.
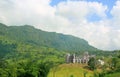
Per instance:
x=71, y=70
x=29, y=35
x=30, y=63
x=92, y=63
x=117, y=74
x=29, y=52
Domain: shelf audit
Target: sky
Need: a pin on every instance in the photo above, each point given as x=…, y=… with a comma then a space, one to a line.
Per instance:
x=96, y=21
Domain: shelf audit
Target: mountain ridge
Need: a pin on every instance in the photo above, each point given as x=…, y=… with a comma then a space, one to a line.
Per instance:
x=30, y=35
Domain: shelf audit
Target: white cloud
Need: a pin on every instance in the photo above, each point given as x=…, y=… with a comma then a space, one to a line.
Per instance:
x=25, y=11
x=67, y=17
x=116, y=15
x=77, y=11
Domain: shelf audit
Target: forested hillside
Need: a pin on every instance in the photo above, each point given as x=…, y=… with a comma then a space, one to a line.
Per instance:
x=29, y=35
x=19, y=58
x=29, y=52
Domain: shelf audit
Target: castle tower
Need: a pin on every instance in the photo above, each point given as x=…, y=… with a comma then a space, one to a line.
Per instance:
x=74, y=58
x=68, y=58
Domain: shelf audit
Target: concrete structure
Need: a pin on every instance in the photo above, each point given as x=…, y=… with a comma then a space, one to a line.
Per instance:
x=72, y=58
x=101, y=62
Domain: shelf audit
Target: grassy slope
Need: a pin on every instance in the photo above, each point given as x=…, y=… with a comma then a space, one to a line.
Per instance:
x=66, y=70
x=117, y=74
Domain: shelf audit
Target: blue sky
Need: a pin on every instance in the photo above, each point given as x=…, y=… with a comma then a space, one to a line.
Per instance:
x=55, y=2
x=93, y=17
x=109, y=3
x=96, y=21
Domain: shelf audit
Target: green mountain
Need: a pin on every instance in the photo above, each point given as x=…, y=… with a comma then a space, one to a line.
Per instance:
x=30, y=35
x=29, y=52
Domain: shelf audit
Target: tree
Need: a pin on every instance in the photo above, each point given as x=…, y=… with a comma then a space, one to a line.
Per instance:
x=92, y=63
x=116, y=63
x=44, y=69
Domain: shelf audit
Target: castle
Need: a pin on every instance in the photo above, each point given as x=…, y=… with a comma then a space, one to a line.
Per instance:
x=72, y=58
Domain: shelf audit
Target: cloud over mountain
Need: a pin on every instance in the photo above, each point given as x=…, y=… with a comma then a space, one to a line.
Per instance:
x=69, y=17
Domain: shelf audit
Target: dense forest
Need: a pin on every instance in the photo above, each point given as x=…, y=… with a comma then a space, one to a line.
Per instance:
x=30, y=35
x=29, y=52
x=21, y=60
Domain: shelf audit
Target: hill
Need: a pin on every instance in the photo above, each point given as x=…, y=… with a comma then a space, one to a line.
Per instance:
x=27, y=51
x=70, y=70
x=36, y=37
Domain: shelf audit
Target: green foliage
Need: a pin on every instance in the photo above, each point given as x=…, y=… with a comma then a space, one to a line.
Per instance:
x=6, y=47
x=44, y=69
x=114, y=67
x=29, y=52
x=114, y=63
x=25, y=60
x=92, y=63
x=29, y=35
x=96, y=74
x=116, y=74
x=85, y=73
